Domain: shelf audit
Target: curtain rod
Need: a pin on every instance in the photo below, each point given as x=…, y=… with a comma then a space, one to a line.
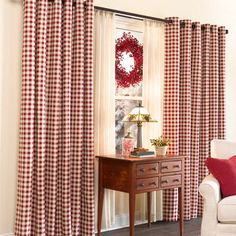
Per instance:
x=123, y=13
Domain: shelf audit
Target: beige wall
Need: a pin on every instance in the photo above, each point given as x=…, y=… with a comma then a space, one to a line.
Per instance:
x=206, y=11
x=10, y=62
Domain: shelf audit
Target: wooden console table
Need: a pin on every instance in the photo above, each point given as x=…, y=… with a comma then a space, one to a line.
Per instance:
x=140, y=175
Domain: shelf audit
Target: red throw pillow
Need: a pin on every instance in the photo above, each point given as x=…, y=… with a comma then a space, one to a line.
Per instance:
x=224, y=170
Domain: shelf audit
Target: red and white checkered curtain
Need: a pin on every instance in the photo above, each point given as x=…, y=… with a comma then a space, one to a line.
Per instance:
x=193, y=103
x=55, y=193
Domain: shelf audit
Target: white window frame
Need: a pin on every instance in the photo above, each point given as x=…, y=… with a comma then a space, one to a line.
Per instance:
x=129, y=24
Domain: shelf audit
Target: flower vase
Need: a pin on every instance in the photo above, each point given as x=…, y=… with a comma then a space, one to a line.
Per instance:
x=127, y=145
x=161, y=151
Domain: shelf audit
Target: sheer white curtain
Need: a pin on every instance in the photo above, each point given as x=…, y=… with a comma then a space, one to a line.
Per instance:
x=116, y=204
x=104, y=81
x=153, y=78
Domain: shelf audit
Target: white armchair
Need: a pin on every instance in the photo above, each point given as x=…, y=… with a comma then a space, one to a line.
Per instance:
x=219, y=215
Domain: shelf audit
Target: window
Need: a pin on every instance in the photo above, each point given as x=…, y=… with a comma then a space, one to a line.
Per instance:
x=127, y=96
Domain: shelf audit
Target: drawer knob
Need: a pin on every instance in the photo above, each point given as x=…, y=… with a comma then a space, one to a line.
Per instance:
x=153, y=183
x=176, y=166
x=176, y=180
x=141, y=169
x=154, y=168
x=164, y=167
x=141, y=185
x=164, y=181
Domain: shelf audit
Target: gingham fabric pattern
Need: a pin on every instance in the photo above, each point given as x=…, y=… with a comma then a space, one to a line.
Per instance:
x=213, y=82
x=221, y=117
x=185, y=105
x=195, y=118
x=193, y=103
x=171, y=107
x=204, y=138
x=55, y=194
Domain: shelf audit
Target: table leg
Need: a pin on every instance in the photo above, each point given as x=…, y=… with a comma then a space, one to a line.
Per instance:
x=149, y=204
x=131, y=213
x=100, y=199
x=100, y=206
x=181, y=210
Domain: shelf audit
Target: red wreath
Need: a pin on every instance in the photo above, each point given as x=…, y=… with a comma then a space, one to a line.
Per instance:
x=129, y=44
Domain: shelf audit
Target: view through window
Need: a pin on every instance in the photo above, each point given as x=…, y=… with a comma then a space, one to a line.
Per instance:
x=129, y=67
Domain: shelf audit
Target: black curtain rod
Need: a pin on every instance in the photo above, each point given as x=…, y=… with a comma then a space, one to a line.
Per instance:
x=130, y=14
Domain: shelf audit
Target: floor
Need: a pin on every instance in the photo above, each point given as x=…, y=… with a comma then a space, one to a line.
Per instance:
x=192, y=228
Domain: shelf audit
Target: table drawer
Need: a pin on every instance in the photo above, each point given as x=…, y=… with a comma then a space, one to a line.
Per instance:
x=170, y=180
x=171, y=166
x=143, y=170
x=146, y=184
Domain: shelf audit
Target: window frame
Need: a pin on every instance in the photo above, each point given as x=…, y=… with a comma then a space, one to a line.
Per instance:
x=132, y=25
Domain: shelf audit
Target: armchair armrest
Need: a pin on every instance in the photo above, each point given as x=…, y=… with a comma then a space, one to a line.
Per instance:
x=210, y=191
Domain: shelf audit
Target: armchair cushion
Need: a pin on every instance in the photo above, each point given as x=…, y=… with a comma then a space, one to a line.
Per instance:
x=227, y=210
x=224, y=170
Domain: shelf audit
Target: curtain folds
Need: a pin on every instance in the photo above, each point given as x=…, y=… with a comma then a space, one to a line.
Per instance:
x=104, y=92
x=153, y=79
x=171, y=107
x=153, y=73
x=55, y=193
x=115, y=210
x=193, y=103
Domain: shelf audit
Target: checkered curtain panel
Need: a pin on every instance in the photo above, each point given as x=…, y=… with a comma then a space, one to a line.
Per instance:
x=55, y=194
x=193, y=103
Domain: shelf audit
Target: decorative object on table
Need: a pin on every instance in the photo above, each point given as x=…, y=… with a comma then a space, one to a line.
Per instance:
x=161, y=145
x=142, y=152
x=130, y=45
x=145, y=153
x=139, y=115
x=127, y=144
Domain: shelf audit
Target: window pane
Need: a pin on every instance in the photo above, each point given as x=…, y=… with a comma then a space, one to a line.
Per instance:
x=123, y=107
x=131, y=62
